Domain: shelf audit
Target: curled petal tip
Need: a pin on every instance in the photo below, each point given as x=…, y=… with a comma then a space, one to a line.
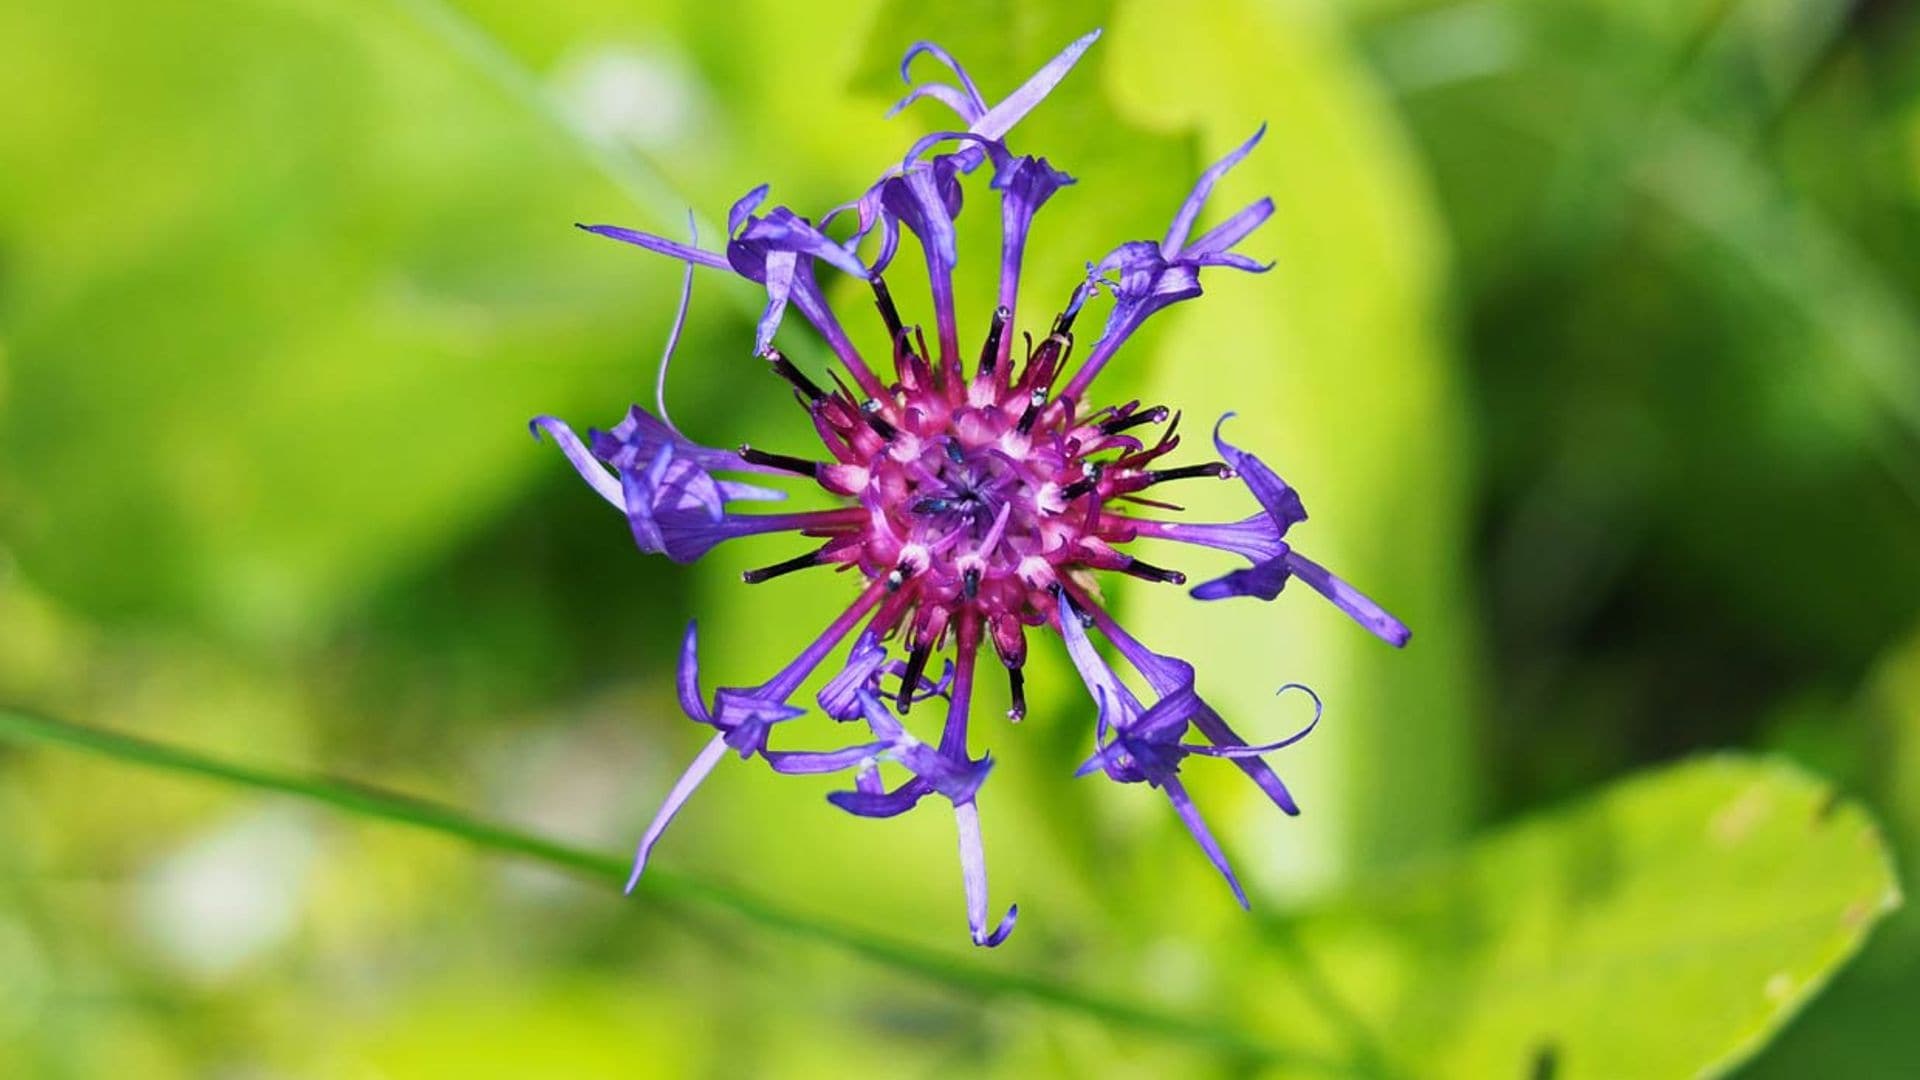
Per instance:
x=1000, y=933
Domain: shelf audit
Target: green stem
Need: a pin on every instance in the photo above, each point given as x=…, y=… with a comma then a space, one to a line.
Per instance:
x=659, y=884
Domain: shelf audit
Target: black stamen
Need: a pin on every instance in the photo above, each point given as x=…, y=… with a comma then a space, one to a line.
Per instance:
x=780, y=461
x=883, y=299
x=954, y=452
x=1085, y=484
x=1149, y=572
x=767, y=573
x=1035, y=403
x=933, y=504
x=784, y=368
x=1212, y=468
x=1134, y=419
x=970, y=582
x=1063, y=322
x=910, y=680
x=870, y=409
x=990, y=352
x=1017, y=688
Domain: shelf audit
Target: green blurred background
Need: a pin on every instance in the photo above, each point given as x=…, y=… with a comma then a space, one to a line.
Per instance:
x=1593, y=345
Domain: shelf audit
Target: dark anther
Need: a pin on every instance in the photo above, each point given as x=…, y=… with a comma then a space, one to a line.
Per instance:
x=1211, y=468
x=970, y=582
x=1134, y=419
x=1146, y=571
x=1017, y=688
x=1063, y=322
x=1035, y=402
x=990, y=352
x=916, y=667
x=883, y=299
x=870, y=409
x=768, y=573
x=1085, y=484
x=898, y=576
x=784, y=368
x=780, y=461
x=933, y=504
x=954, y=452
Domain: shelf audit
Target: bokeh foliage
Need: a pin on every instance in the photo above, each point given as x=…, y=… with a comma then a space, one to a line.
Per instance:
x=1591, y=343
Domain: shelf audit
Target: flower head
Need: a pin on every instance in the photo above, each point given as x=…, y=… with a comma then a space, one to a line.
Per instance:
x=974, y=494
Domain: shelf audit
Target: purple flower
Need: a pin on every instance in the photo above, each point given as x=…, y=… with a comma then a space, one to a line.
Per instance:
x=1134, y=743
x=975, y=501
x=1269, y=572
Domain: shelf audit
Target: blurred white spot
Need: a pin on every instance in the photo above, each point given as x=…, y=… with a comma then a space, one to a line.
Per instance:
x=1779, y=987
x=573, y=781
x=622, y=94
x=230, y=894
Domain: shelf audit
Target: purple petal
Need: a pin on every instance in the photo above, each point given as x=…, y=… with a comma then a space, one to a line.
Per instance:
x=779, y=270
x=590, y=470
x=743, y=208
x=687, y=678
x=660, y=245
x=1231, y=231
x=1270, y=747
x=811, y=762
x=941, y=92
x=840, y=697
x=1183, y=804
x=1253, y=537
x=1263, y=579
x=975, y=103
x=1000, y=119
x=1216, y=729
x=683, y=789
x=1103, y=684
x=1279, y=499
x=973, y=873
x=869, y=804
x=1350, y=600
x=1176, y=239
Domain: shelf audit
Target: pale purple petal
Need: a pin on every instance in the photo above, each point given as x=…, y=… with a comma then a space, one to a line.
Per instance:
x=590, y=470
x=660, y=245
x=1000, y=119
x=683, y=789
x=813, y=762
x=1231, y=231
x=1176, y=240
x=973, y=873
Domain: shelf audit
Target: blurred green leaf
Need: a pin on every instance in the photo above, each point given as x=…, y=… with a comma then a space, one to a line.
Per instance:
x=1666, y=928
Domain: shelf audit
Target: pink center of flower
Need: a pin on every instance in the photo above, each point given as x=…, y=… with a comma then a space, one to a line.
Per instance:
x=982, y=493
